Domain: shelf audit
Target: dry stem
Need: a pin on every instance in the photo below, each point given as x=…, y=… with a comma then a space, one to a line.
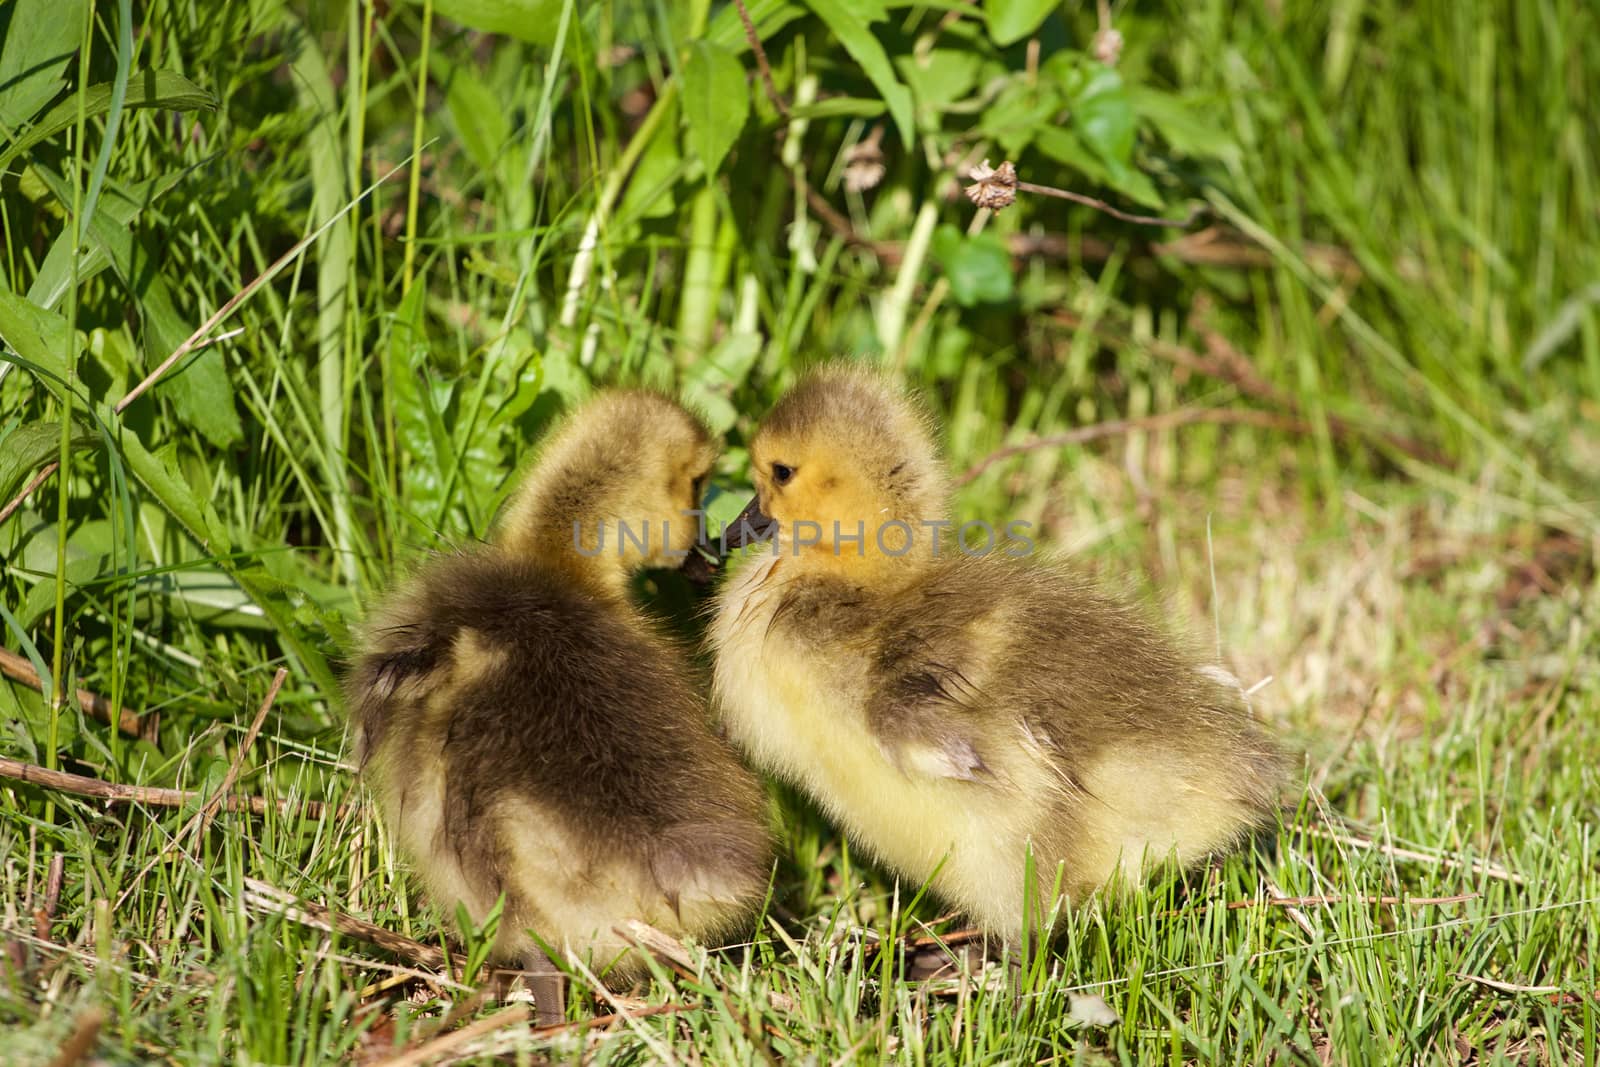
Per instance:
x=154, y=796
x=19, y=669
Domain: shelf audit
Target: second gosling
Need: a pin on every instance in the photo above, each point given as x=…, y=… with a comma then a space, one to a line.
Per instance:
x=528, y=731
x=953, y=713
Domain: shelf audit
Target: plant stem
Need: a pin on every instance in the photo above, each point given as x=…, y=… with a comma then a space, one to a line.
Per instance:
x=419, y=107
x=58, y=687
x=583, y=262
x=892, y=312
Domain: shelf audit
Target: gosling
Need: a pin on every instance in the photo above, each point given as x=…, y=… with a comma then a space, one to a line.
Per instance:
x=964, y=717
x=528, y=731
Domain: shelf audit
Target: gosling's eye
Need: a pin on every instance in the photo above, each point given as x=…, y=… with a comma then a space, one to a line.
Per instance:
x=781, y=473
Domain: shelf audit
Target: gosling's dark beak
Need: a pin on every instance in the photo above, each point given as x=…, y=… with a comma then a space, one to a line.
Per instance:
x=751, y=527
x=704, y=557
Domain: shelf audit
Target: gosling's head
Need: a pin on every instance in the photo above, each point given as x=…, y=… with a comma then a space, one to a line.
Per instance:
x=614, y=489
x=847, y=461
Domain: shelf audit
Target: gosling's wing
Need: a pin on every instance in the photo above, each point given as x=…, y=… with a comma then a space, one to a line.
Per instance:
x=926, y=702
x=400, y=662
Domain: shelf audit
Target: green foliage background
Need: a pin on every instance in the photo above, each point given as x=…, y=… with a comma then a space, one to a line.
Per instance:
x=449, y=220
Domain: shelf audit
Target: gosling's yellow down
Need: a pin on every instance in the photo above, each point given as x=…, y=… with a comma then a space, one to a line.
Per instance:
x=527, y=730
x=952, y=712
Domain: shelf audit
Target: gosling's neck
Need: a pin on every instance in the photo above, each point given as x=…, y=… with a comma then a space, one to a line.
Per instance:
x=866, y=566
x=550, y=525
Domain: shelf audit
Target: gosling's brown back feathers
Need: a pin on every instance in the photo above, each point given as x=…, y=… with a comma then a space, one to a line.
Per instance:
x=528, y=731
x=550, y=698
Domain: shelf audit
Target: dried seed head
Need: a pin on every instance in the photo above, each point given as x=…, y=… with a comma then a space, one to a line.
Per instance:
x=1108, y=46
x=863, y=163
x=993, y=187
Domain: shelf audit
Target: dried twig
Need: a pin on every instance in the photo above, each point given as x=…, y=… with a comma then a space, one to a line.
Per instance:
x=1293, y=902
x=646, y=938
x=204, y=816
x=891, y=252
x=82, y=1040
x=1238, y=369
x=19, y=669
x=1217, y=246
x=1118, y=427
x=1100, y=205
x=33, y=483
x=264, y=896
x=1211, y=247
x=1507, y=987
x=761, y=60
x=997, y=187
x=43, y=917
x=156, y=797
x=1492, y=870
x=1297, y=916
x=428, y=1051
x=615, y=1017
x=954, y=937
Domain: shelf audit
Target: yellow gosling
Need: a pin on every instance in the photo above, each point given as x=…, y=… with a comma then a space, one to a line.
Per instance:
x=951, y=712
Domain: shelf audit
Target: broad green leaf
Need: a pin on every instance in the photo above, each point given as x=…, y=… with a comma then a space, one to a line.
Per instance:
x=207, y=594
x=41, y=337
x=88, y=556
x=650, y=186
x=533, y=21
x=1021, y=113
x=716, y=102
x=1063, y=146
x=849, y=19
x=479, y=116
x=112, y=350
x=1103, y=115
x=27, y=448
x=1134, y=184
x=199, y=389
x=940, y=77
x=336, y=281
x=22, y=705
x=148, y=88
x=1012, y=20
x=1182, y=125
x=723, y=507
x=713, y=378
x=419, y=397
x=202, y=395
x=41, y=599
x=767, y=16
x=978, y=268
x=171, y=491
x=122, y=204
x=837, y=106
x=201, y=523
x=38, y=40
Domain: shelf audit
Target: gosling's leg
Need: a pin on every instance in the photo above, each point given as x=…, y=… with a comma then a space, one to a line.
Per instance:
x=548, y=986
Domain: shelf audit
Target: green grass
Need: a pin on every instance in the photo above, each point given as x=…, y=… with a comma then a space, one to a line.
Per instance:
x=1406, y=202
